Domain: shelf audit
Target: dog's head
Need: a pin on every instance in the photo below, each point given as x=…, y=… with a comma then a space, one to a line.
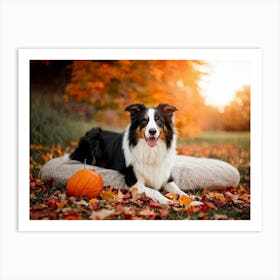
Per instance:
x=151, y=124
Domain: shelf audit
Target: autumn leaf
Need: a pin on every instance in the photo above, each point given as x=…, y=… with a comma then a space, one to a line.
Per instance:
x=171, y=196
x=154, y=204
x=108, y=195
x=72, y=216
x=146, y=211
x=185, y=200
x=217, y=196
x=120, y=196
x=60, y=204
x=93, y=201
x=102, y=214
x=163, y=212
x=220, y=217
x=32, y=195
x=134, y=194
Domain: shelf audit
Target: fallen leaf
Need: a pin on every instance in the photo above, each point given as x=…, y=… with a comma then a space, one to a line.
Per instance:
x=72, y=216
x=102, y=214
x=171, y=196
x=154, y=204
x=32, y=195
x=220, y=217
x=60, y=204
x=134, y=194
x=82, y=202
x=217, y=196
x=108, y=195
x=163, y=212
x=245, y=197
x=120, y=196
x=93, y=201
x=146, y=211
x=185, y=200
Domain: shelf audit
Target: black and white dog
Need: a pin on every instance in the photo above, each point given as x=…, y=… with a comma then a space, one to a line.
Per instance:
x=144, y=153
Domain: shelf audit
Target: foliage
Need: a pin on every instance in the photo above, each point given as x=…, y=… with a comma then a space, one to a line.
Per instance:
x=237, y=113
x=112, y=85
x=51, y=202
x=98, y=91
x=234, y=117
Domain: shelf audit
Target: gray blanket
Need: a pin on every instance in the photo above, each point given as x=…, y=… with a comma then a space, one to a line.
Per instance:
x=188, y=173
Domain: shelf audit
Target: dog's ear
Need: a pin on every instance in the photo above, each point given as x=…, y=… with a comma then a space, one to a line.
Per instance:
x=167, y=109
x=135, y=109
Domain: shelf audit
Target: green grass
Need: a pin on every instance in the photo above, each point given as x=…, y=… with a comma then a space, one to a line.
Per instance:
x=241, y=139
x=49, y=127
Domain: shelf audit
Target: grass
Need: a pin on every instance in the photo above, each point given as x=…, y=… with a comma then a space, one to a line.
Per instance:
x=50, y=127
x=207, y=138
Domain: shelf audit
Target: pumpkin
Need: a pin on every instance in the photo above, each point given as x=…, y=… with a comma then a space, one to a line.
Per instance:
x=85, y=182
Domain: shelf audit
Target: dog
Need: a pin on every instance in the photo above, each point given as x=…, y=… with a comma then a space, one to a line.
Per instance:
x=145, y=153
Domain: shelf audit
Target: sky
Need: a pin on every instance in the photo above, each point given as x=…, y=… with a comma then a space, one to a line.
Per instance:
x=224, y=79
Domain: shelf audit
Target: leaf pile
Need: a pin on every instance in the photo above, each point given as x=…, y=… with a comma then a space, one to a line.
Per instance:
x=48, y=201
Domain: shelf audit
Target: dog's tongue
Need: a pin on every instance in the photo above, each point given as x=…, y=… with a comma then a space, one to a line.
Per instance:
x=152, y=141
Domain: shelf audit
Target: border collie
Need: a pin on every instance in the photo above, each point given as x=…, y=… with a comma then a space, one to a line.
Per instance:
x=144, y=153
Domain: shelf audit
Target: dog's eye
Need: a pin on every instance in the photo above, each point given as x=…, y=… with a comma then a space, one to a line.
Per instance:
x=143, y=123
x=159, y=123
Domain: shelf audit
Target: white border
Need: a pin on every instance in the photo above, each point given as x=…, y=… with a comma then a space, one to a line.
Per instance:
x=253, y=55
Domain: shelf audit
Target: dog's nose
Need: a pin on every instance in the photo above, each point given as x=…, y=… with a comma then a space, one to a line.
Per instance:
x=152, y=131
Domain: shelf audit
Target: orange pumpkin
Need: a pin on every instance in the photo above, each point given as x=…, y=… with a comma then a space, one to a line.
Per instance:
x=86, y=183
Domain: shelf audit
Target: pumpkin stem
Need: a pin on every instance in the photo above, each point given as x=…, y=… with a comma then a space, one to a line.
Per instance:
x=85, y=162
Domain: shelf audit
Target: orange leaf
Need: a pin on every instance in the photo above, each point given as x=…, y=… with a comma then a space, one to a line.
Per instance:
x=218, y=196
x=134, y=193
x=93, y=201
x=185, y=200
x=72, y=216
x=108, y=195
x=60, y=204
x=171, y=196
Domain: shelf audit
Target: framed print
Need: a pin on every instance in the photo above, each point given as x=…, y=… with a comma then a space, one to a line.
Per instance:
x=161, y=139
x=68, y=67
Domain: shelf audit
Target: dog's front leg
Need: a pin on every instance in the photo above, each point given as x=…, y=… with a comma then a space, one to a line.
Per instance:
x=153, y=194
x=173, y=188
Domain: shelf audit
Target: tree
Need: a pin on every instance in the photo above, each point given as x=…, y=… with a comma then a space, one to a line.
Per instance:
x=237, y=113
x=111, y=85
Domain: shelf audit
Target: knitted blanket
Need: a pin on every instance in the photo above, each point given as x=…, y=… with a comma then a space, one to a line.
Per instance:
x=188, y=173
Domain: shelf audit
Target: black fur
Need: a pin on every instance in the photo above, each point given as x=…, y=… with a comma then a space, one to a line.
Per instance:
x=101, y=148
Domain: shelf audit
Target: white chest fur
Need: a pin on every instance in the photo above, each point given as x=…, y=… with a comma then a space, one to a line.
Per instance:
x=152, y=165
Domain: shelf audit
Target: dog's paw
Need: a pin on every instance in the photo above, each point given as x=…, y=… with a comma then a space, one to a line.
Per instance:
x=163, y=200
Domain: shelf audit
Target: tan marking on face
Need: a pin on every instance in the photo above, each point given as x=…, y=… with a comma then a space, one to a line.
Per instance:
x=140, y=132
x=163, y=133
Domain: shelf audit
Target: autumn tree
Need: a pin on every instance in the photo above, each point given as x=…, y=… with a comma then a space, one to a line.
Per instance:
x=234, y=117
x=237, y=113
x=110, y=85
